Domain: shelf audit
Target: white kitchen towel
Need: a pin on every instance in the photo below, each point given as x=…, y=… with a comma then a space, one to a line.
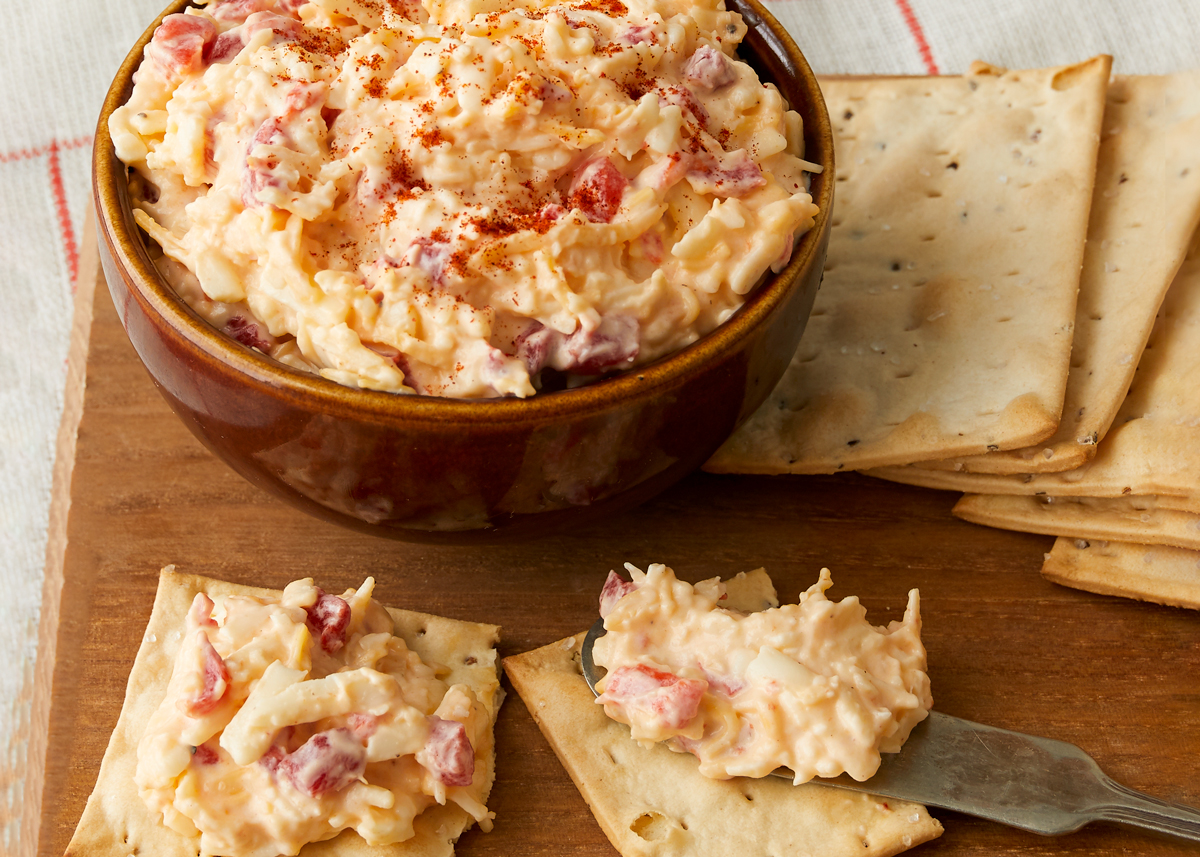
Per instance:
x=59, y=56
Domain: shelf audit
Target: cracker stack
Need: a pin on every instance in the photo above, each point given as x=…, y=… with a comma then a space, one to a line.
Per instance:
x=902, y=380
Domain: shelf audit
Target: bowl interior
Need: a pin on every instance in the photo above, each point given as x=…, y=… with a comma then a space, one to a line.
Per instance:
x=767, y=48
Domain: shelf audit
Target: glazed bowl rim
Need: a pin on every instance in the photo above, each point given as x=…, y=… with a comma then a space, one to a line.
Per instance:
x=266, y=375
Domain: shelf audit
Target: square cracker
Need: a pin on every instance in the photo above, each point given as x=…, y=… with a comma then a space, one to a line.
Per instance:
x=1164, y=575
x=1154, y=444
x=651, y=801
x=1145, y=207
x=1116, y=518
x=117, y=822
x=944, y=323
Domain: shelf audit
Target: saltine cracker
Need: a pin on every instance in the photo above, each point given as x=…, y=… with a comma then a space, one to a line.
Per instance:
x=1145, y=208
x=1105, y=519
x=1154, y=444
x=1164, y=575
x=944, y=323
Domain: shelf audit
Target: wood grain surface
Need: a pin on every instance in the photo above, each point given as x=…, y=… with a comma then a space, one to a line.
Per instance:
x=1116, y=677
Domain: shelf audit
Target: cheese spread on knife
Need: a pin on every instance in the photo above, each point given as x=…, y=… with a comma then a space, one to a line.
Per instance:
x=287, y=721
x=809, y=686
x=467, y=199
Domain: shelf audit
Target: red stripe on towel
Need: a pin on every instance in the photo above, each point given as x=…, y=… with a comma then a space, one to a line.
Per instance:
x=918, y=34
x=65, y=229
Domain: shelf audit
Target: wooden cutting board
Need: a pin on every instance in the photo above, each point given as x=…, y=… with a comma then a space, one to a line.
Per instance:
x=1119, y=678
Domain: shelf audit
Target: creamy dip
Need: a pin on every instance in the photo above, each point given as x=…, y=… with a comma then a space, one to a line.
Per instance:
x=474, y=198
x=286, y=722
x=809, y=686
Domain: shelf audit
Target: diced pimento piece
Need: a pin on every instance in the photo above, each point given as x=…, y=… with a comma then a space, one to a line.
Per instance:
x=614, y=343
x=734, y=175
x=239, y=10
x=248, y=333
x=225, y=47
x=639, y=34
x=653, y=247
x=214, y=676
x=448, y=753
x=672, y=702
x=179, y=43
x=532, y=346
x=553, y=92
x=258, y=173
x=362, y=725
x=685, y=100
x=204, y=755
x=432, y=257
x=551, y=211
x=301, y=96
x=273, y=758
x=596, y=190
x=327, y=762
x=615, y=588
x=709, y=68
x=328, y=618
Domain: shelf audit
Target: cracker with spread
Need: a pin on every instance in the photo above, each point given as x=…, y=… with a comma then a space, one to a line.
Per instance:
x=259, y=723
x=944, y=323
x=652, y=801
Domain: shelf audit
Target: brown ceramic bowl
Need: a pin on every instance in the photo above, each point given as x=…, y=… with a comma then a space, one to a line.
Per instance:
x=442, y=470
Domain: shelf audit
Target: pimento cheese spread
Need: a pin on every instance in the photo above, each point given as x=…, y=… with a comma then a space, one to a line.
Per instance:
x=286, y=722
x=462, y=198
x=810, y=686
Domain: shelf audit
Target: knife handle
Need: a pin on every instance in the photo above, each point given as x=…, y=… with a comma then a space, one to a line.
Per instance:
x=1140, y=810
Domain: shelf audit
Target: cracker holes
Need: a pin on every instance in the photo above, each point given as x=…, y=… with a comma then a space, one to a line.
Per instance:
x=1096, y=317
x=421, y=632
x=1019, y=228
x=905, y=374
x=1004, y=319
x=933, y=194
x=749, y=797
x=470, y=661
x=651, y=826
x=611, y=757
x=1013, y=274
x=928, y=237
x=836, y=223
